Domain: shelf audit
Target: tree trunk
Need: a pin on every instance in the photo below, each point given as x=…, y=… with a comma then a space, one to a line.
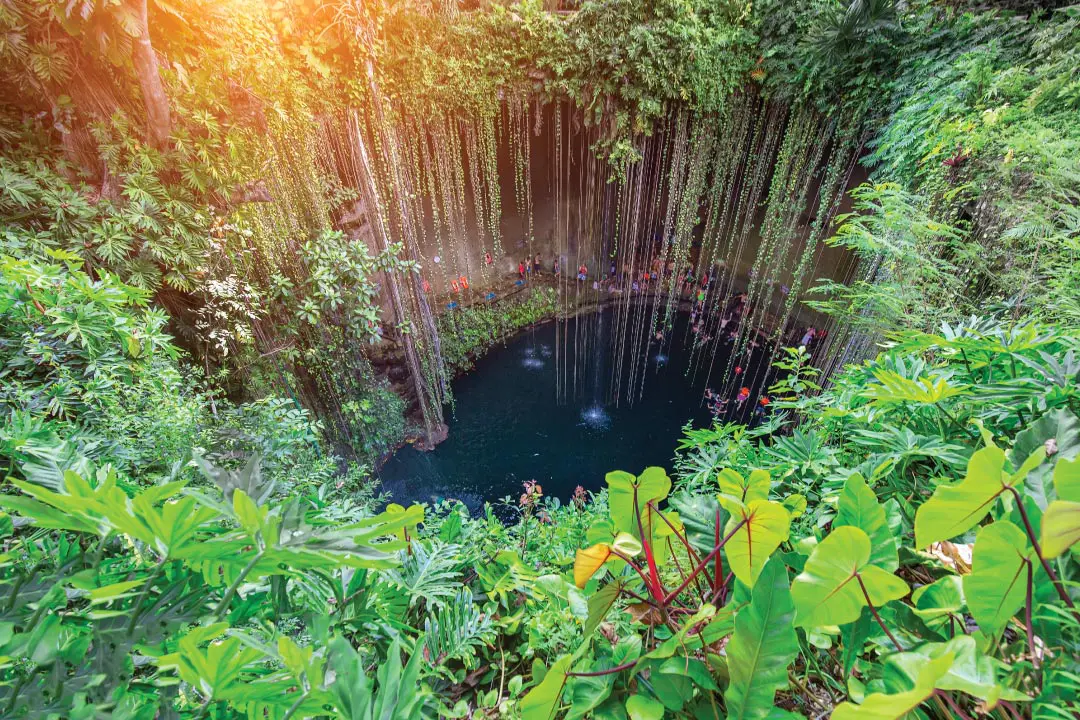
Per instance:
x=158, y=116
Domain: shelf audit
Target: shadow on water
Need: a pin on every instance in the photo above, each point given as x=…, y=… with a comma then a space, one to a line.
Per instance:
x=527, y=412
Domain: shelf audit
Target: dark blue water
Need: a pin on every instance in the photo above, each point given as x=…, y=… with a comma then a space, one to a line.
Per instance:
x=521, y=414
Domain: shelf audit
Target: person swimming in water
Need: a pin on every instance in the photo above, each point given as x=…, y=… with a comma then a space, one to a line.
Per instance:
x=744, y=395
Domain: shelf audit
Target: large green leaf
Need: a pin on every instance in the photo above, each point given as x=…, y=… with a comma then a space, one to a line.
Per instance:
x=827, y=592
x=1061, y=426
x=585, y=693
x=624, y=489
x=600, y=603
x=880, y=706
x=765, y=524
x=1061, y=521
x=955, y=509
x=754, y=487
x=642, y=707
x=701, y=515
x=543, y=700
x=933, y=603
x=763, y=645
x=859, y=507
x=971, y=671
x=996, y=586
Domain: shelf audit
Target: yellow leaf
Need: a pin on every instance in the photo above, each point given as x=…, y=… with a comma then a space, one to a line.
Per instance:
x=588, y=561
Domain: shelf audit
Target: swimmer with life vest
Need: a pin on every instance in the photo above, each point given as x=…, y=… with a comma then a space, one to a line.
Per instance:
x=744, y=395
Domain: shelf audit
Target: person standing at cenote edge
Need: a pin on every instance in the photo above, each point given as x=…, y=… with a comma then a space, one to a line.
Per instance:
x=536, y=265
x=521, y=269
x=555, y=267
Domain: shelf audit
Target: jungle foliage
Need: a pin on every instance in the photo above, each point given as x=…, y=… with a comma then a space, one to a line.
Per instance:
x=907, y=546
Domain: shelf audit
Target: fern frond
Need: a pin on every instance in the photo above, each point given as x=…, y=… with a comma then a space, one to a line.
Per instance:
x=429, y=573
x=456, y=631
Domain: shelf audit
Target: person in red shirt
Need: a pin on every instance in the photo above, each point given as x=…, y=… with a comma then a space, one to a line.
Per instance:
x=521, y=269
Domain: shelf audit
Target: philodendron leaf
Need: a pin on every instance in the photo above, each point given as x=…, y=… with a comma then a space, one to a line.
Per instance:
x=828, y=591
x=652, y=485
x=1061, y=521
x=763, y=645
x=1060, y=527
x=755, y=487
x=1061, y=426
x=600, y=603
x=585, y=693
x=859, y=507
x=880, y=706
x=971, y=671
x=588, y=561
x=642, y=707
x=701, y=515
x=795, y=503
x=764, y=525
x=996, y=586
x=936, y=601
x=955, y=509
x=543, y=700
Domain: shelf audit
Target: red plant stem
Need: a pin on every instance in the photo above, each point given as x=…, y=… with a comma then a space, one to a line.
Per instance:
x=952, y=705
x=682, y=538
x=703, y=564
x=655, y=587
x=1038, y=552
x=609, y=671
x=640, y=572
x=718, y=571
x=874, y=612
x=1027, y=617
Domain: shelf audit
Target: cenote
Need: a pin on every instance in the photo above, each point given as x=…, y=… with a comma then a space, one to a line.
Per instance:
x=555, y=404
